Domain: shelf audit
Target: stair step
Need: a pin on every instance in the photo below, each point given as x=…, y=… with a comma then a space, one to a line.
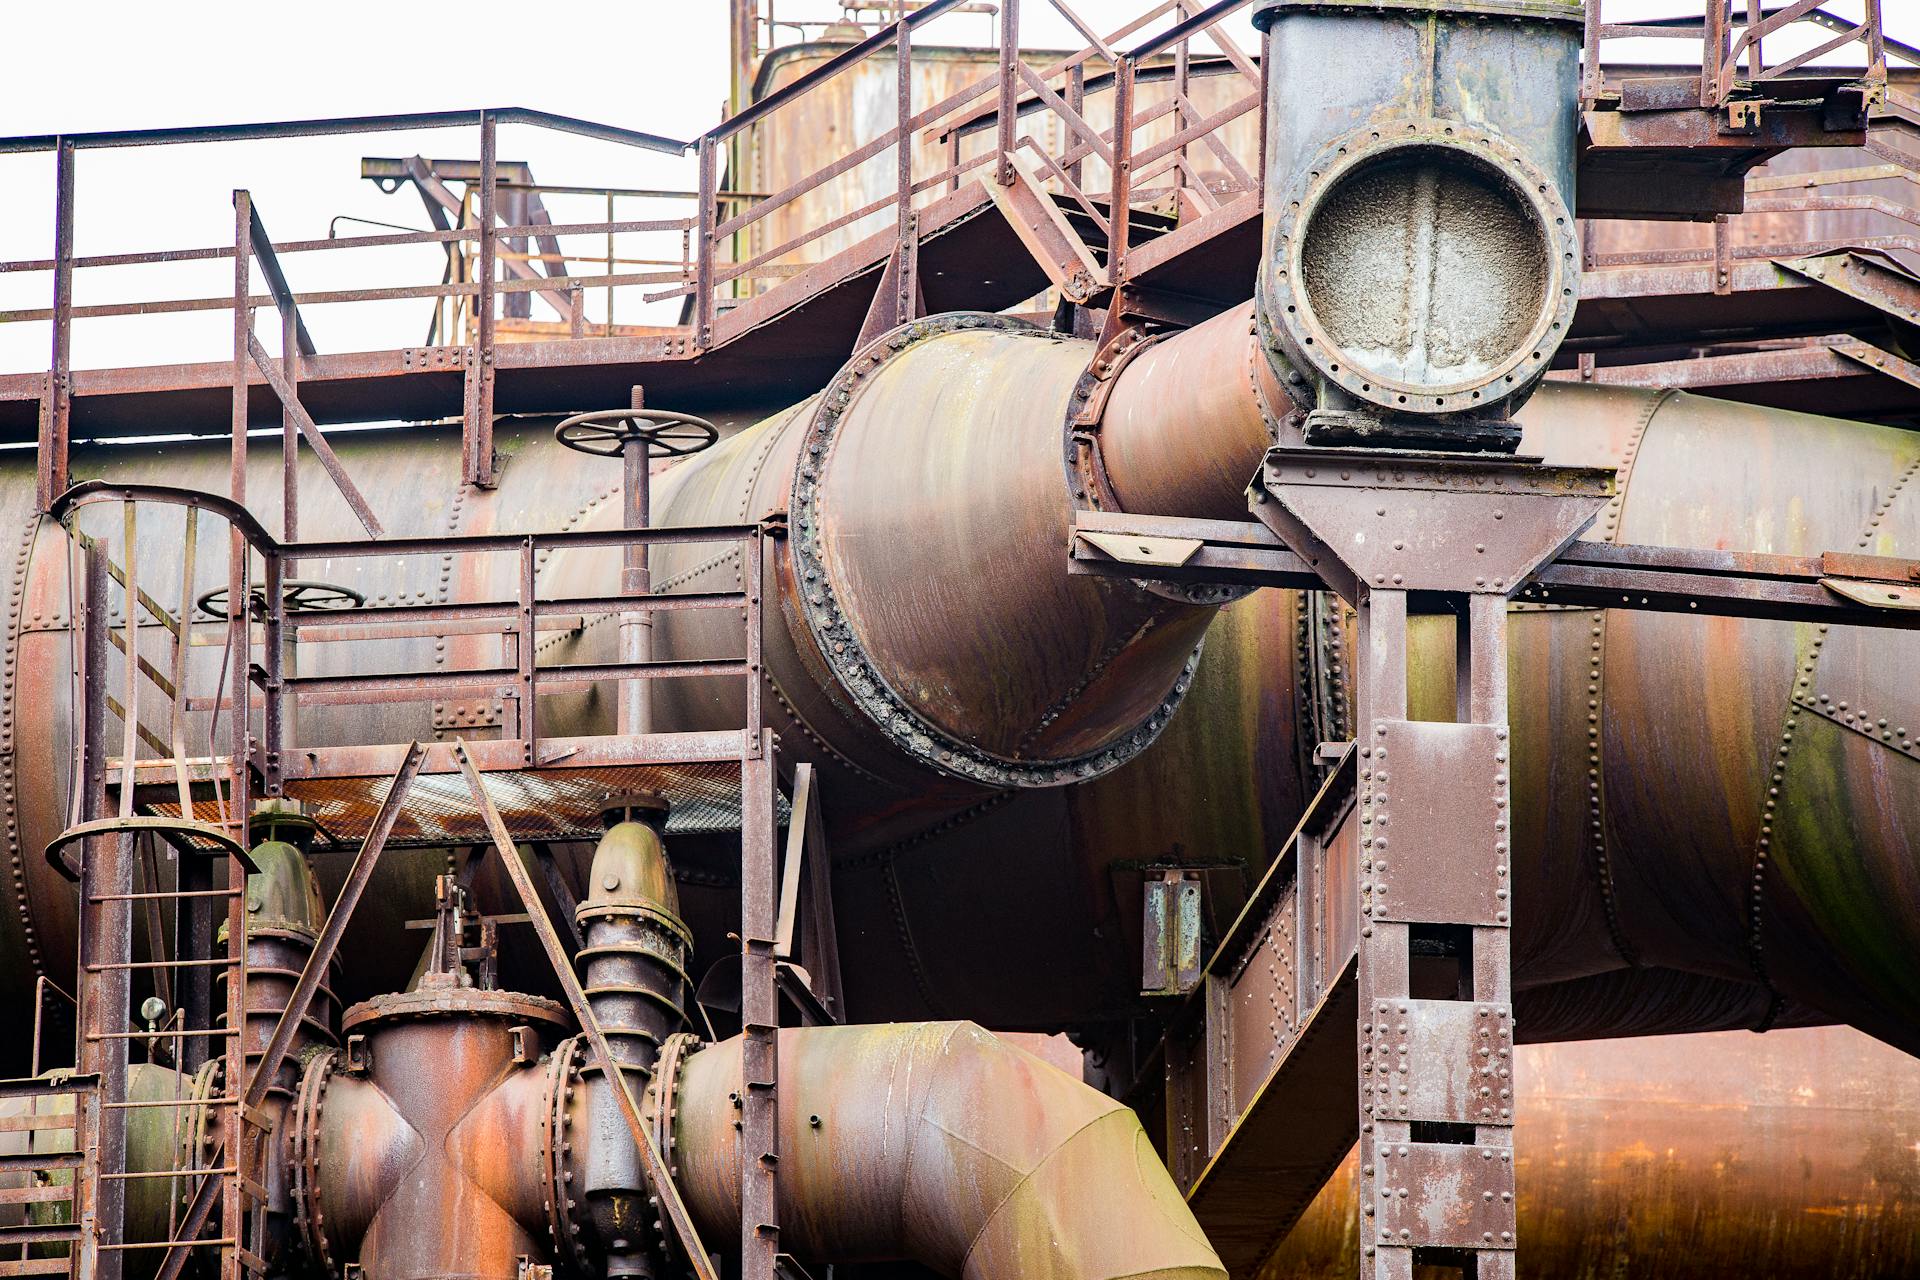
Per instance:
x=36, y=1267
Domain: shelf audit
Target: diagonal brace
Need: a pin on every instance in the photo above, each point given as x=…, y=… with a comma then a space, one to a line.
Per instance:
x=328, y=459
x=650, y=1158
x=195, y=1219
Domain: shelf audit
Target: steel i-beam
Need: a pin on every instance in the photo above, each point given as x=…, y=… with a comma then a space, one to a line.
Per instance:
x=1392, y=530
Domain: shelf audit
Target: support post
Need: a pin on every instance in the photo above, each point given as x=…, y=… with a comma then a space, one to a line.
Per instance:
x=103, y=995
x=56, y=400
x=903, y=127
x=759, y=1019
x=1434, y=994
x=706, y=217
x=1121, y=193
x=636, y=578
x=1009, y=108
x=477, y=437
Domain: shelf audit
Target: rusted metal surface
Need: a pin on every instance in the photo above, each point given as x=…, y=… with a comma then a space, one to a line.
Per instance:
x=1718, y=1155
x=1766, y=886
x=1003, y=1150
x=447, y=1080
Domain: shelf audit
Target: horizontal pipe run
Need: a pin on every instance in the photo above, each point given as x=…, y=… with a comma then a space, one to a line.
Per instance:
x=548, y=677
x=370, y=615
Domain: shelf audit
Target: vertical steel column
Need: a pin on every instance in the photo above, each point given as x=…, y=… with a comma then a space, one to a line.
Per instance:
x=1434, y=994
x=1591, y=81
x=476, y=448
x=1119, y=223
x=903, y=125
x=1182, y=83
x=1713, y=50
x=1436, y=1139
x=706, y=216
x=759, y=1016
x=524, y=656
x=1077, y=103
x=56, y=400
x=636, y=578
x=103, y=995
x=1009, y=107
x=240, y=1145
x=289, y=428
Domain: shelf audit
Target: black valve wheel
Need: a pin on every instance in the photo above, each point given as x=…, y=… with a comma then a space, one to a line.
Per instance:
x=665, y=433
x=297, y=595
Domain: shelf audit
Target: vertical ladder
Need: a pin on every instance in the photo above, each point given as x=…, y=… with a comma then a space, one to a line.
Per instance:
x=55, y=1117
x=216, y=1145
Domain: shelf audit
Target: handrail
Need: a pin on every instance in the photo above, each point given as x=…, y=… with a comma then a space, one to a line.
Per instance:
x=333, y=125
x=90, y=492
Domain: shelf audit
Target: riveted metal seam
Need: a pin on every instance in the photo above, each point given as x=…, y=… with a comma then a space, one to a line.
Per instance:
x=896, y=902
x=1595, y=834
x=1805, y=678
x=9, y=799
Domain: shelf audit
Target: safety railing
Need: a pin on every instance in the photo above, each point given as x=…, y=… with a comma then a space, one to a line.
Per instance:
x=1092, y=151
x=277, y=616
x=1733, y=37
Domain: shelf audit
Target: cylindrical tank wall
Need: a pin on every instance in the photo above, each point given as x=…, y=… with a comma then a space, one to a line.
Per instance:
x=1791, y=1155
x=1831, y=839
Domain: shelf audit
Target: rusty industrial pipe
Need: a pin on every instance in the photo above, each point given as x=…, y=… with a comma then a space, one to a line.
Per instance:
x=940, y=1143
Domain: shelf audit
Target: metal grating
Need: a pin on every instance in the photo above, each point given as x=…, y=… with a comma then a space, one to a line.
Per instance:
x=538, y=804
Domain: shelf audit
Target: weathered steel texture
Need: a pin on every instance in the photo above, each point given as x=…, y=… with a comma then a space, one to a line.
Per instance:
x=410, y=1143
x=1250, y=678
x=673, y=1212
x=1710, y=1155
x=1004, y=1148
x=1419, y=256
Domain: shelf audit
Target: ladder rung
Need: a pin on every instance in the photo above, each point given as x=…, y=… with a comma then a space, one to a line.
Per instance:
x=164, y=1244
x=161, y=964
x=36, y=1267
x=35, y=1195
x=192, y=1034
x=48, y=1086
x=39, y=1160
x=253, y=1262
x=134, y=1174
x=178, y=893
x=36, y=1121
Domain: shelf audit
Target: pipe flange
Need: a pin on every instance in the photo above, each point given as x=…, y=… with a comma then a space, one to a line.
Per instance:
x=839, y=644
x=661, y=1104
x=1537, y=228
x=304, y=1152
x=563, y=1074
x=1087, y=482
x=659, y=1108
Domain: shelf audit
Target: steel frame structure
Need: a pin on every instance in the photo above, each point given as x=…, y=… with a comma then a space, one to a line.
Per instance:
x=1401, y=859
x=119, y=793
x=1087, y=244
x=1078, y=244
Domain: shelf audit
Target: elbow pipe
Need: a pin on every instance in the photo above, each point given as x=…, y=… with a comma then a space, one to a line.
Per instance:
x=940, y=1143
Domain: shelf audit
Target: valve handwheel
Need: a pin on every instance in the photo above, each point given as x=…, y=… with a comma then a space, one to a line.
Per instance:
x=296, y=594
x=666, y=434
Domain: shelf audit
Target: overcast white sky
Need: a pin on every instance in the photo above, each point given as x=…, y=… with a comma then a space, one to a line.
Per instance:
x=87, y=65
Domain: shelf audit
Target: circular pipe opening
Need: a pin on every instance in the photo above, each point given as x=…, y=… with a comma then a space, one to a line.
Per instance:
x=1428, y=273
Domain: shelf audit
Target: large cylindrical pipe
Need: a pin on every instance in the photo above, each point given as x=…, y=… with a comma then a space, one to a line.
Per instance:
x=940, y=1143
x=1681, y=845
x=1789, y=1155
